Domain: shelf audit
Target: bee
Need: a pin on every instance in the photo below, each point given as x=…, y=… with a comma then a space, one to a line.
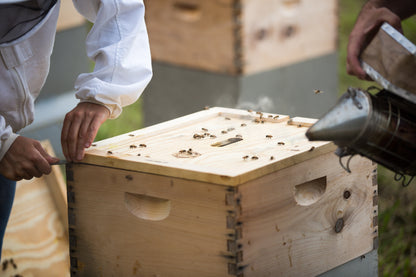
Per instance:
x=280, y=143
x=276, y=117
x=250, y=110
x=299, y=125
x=312, y=148
x=212, y=136
x=243, y=125
x=269, y=136
x=13, y=264
x=138, y=155
x=260, y=113
x=93, y=145
x=223, y=132
x=133, y=146
x=182, y=151
x=190, y=151
x=245, y=157
x=270, y=116
x=254, y=158
x=207, y=134
x=271, y=158
x=131, y=135
x=204, y=129
x=227, y=118
x=230, y=129
x=262, y=121
x=5, y=264
x=238, y=136
x=256, y=120
x=317, y=91
x=109, y=152
x=197, y=136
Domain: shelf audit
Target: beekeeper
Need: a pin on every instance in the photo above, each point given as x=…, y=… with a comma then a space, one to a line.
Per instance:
x=117, y=44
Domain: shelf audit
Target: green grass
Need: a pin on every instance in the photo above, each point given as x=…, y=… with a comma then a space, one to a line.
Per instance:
x=397, y=205
x=130, y=119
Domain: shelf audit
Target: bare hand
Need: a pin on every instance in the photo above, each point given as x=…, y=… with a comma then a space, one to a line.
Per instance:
x=26, y=159
x=366, y=27
x=80, y=128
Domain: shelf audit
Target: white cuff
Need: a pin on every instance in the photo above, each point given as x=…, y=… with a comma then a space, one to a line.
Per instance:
x=6, y=144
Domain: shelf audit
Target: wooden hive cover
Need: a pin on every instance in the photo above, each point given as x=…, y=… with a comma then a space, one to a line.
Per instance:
x=185, y=147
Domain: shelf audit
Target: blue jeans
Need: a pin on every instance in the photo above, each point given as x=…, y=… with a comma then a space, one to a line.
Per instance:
x=7, y=190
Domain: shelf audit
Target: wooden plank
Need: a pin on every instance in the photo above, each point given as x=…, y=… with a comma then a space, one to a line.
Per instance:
x=268, y=144
x=107, y=239
x=294, y=226
x=36, y=236
x=69, y=16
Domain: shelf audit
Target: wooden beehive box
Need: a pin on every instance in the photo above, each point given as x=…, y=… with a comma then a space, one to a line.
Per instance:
x=167, y=200
x=240, y=37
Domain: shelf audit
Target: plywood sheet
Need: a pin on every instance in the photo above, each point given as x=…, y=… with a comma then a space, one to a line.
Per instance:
x=36, y=235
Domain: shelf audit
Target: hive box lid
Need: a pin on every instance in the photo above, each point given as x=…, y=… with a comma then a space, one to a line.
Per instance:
x=189, y=147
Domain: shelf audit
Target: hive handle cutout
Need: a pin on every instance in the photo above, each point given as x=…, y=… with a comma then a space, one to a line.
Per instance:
x=187, y=12
x=310, y=192
x=147, y=207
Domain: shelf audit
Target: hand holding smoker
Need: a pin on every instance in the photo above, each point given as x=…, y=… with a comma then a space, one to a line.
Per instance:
x=380, y=126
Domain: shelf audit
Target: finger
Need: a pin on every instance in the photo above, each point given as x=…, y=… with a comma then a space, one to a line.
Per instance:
x=353, y=53
x=73, y=135
x=44, y=160
x=26, y=172
x=94, y=127
x=98, y=119
x=83, y=137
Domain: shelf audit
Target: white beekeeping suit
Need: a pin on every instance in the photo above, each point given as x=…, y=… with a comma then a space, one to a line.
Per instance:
x=117, y=43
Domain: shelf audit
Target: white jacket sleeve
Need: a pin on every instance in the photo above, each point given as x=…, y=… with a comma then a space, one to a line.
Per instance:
x=119, y=46
x=7, y=137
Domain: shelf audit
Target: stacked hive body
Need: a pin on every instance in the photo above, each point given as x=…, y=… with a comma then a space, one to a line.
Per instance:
x=221, y=192
x=259, y=54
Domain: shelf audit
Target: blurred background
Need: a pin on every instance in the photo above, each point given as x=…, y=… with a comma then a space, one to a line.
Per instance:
x=235, y=63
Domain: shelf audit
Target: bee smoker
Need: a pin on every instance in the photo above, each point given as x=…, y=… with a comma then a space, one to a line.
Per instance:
x=380, y=126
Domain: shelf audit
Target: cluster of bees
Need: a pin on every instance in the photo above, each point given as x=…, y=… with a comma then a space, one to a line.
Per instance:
x=205, y=134
x=10, y=262
x=6, y=263
x=261, y=118
x=186, y=153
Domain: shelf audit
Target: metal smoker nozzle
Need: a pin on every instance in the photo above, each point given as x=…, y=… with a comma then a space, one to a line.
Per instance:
x=381, y=127
x=344, y=121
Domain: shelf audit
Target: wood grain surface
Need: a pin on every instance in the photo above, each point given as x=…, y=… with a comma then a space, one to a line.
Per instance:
x=269, y=142
x=37, y=233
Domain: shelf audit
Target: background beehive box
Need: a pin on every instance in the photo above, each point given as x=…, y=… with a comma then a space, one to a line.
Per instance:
x=210, y=212
x=240, y=37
